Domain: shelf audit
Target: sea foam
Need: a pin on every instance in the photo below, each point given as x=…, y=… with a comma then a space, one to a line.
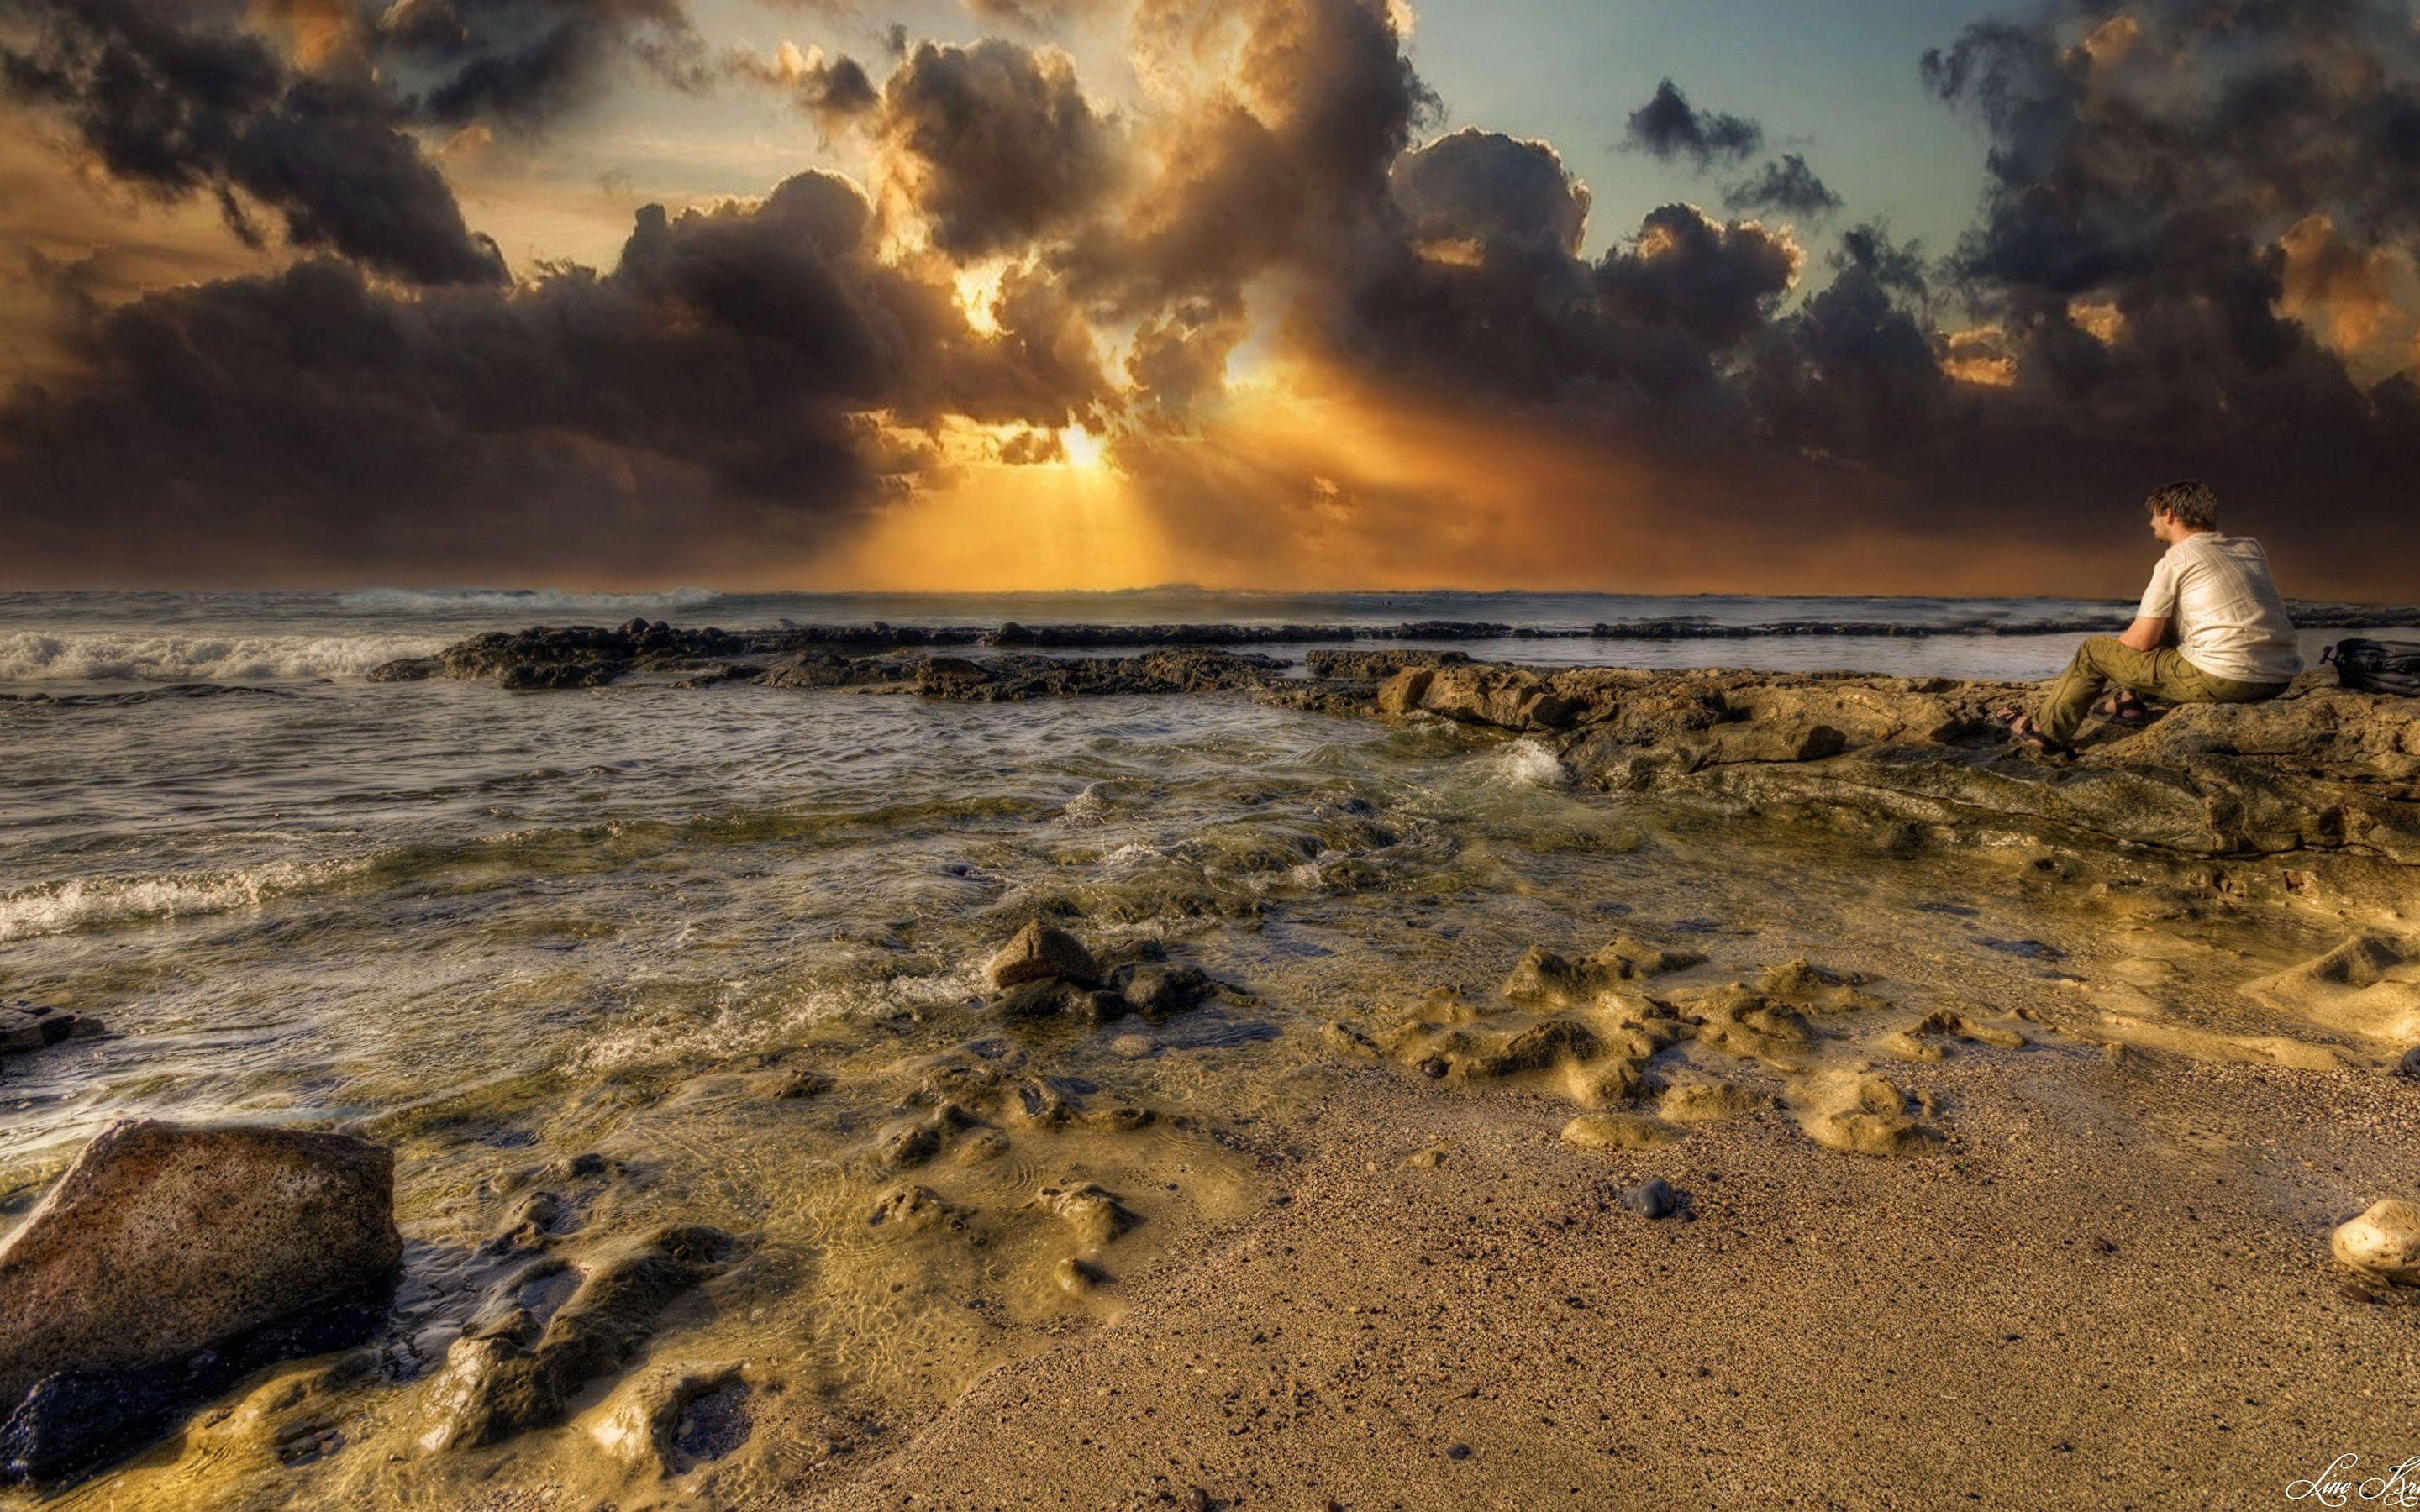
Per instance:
x=80, y=656
x=81, y=903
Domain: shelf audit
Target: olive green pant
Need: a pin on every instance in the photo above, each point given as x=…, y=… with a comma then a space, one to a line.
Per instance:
x=2105, y=662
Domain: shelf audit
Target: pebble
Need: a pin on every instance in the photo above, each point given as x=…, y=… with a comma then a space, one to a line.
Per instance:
x=1650, y=1198
x=2385, y=1240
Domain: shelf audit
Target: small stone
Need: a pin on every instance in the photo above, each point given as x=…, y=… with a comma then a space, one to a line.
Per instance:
x=1457, y=1451
x=2384, y=1241
x=1650, y=1198
x=2411, y=1063
x=2354, y=1292
x=1041, y=953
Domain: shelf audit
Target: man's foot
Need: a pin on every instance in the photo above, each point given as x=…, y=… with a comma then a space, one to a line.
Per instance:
x=2124, y=708
x=2021, y=728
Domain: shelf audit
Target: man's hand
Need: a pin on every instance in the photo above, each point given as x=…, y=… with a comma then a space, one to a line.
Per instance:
x=2145, y=634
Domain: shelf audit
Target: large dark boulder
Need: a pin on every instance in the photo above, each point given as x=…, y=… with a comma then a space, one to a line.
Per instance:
x=161, y=1240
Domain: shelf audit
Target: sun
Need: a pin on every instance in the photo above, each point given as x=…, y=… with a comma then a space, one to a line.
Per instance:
x=1083, y=448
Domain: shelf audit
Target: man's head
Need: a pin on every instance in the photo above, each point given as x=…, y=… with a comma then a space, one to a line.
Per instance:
x=2180, y=509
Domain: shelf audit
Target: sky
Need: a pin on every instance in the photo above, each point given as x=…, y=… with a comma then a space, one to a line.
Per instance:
x=1741, y=295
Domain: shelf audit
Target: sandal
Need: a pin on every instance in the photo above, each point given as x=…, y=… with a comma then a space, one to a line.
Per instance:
x=2021, y=728
x=2123, y=707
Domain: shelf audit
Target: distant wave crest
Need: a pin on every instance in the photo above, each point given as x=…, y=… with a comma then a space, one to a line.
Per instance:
x=538, y=599
x=64, y=907
x=77, y=657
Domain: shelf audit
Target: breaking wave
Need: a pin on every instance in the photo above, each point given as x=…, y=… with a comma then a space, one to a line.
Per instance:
x=530, y=599
x=1526, y=764
x=36, y=657
x=64, y=907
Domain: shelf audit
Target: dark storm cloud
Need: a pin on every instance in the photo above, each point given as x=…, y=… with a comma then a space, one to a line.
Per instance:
x=1788, y=186
x=520, y=62
x=704, y=399
x=181, y=101
x=1496, y=189
x=1668, y=127
x=997, y=142
x=2154, y=173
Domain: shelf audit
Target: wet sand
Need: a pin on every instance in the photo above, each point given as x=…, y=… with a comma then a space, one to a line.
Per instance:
x=2110, y=1287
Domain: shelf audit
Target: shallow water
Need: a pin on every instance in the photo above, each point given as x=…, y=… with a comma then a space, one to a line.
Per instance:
x=502, y=930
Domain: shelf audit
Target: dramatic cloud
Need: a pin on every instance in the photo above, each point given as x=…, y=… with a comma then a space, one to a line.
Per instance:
x=996, y=141
x=1254, y=321
x=1668, y=127
x=181, y=100
x=1788, y=186
x=521, y=61
x=834, y=91
x=2158, y=176
x=737, y=376
x=1494, y=191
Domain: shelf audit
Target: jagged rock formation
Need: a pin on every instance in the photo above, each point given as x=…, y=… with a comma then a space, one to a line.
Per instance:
x=2320, y=769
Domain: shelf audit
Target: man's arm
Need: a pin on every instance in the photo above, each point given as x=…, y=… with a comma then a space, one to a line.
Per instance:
x=2146, y=633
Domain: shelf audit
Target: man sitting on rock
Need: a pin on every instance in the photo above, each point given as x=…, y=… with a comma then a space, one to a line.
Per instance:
x=2211, y=629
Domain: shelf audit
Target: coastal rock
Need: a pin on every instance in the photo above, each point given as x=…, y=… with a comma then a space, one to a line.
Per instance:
x=517, y=1365
x=1864, y=1115
x=1696, y=1102
x=1092, y=1213
x=161, y=1240
x=1012, y=678
x=1377, y=665
x=2319, y=769
x=29, y=1026
x=2385, y=1240
x=1042, y=952
x=669, y=1420
x=1542, y=977
x=2368, y=985
x=1157, y=989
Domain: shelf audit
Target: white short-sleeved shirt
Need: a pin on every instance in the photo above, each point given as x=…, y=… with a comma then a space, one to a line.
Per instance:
x=2229, y=618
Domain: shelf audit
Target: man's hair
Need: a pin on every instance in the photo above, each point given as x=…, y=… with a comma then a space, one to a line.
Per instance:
x=2190, y=500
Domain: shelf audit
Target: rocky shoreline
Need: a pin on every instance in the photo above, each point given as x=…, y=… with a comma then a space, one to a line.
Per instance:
x=1918, y=759
x=589, y=655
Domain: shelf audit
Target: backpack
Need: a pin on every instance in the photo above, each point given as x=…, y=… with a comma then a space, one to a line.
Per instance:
x=2377, y=666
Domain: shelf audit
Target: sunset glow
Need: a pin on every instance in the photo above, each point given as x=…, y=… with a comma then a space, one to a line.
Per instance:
x=1245, y=291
